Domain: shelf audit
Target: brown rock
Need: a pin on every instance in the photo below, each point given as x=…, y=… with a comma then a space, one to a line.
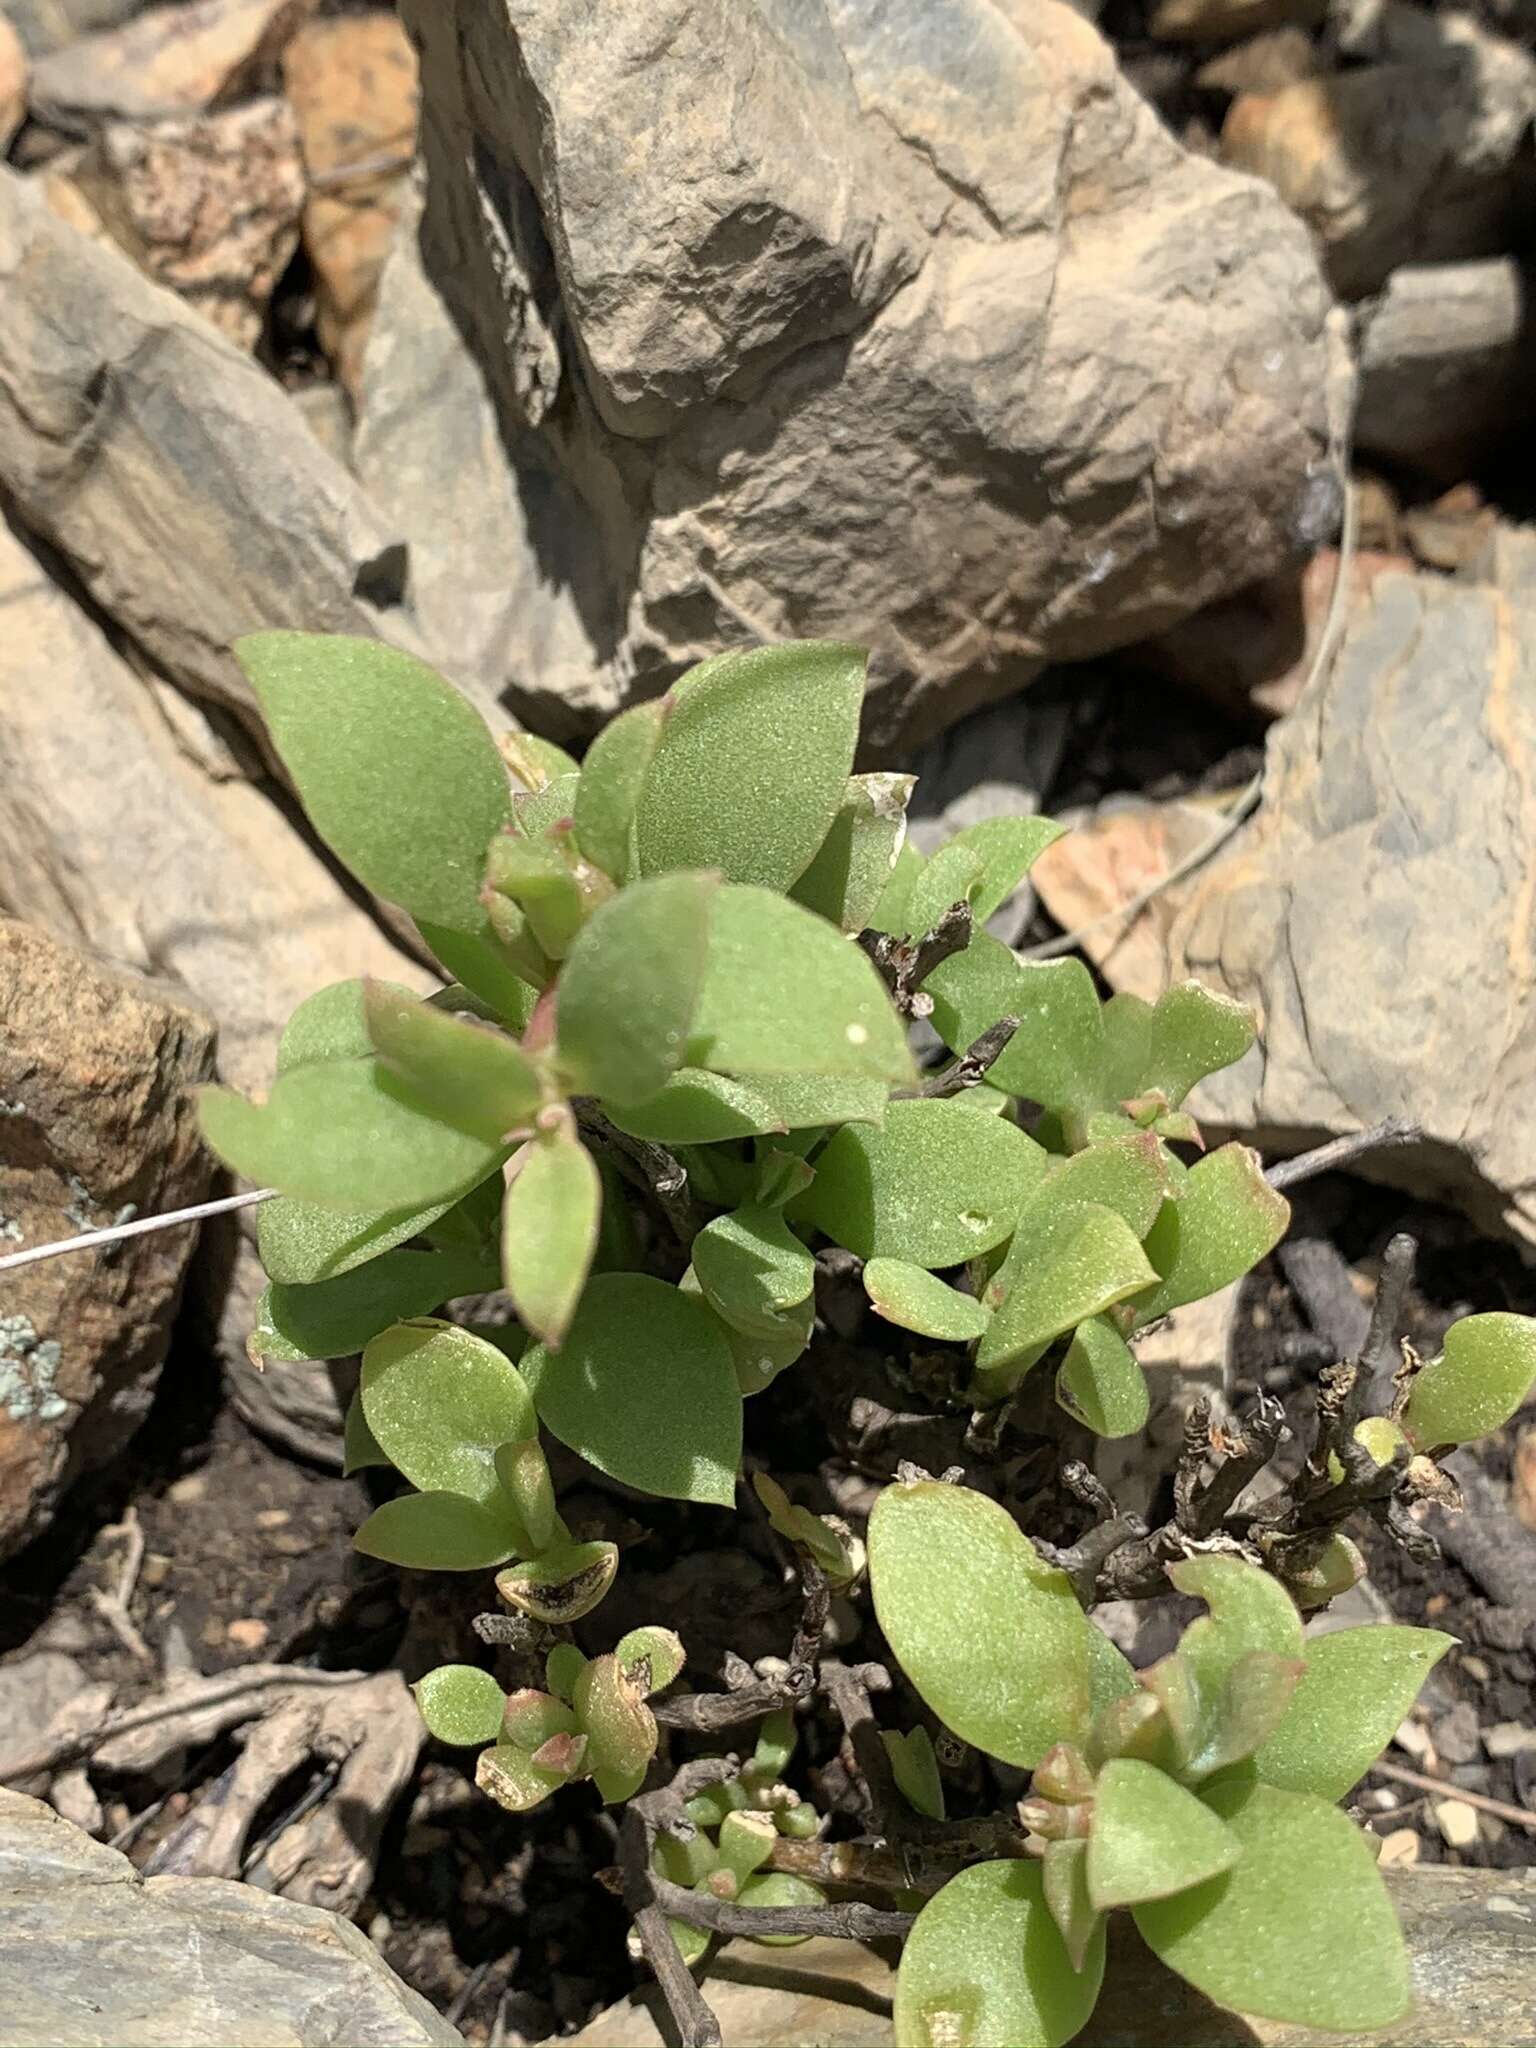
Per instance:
x=1454, y=531
x=208, y=206
x=353, y=85
x=13, y=82
x=1265, y=64
x=1096, y=870
x=171, y=60
x=1224, y=21
x=1407, y=162
x=1522, y=1478
x=47, y=25
x=97, y=1124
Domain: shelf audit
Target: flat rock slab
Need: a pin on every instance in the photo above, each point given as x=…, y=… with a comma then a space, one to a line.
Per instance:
x=93, y=1956
x=1471, y=1934
x=1380, y=911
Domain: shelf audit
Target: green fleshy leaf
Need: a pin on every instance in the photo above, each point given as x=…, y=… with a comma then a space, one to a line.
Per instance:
x=753, y=1269
x=485, y=968
x=1487, y=1370
x=1056, y=1055
x=853, y=866
x=760, y=1356
x=562, y=1667
x=530, y=1717
x=523, y=1473
x=644, y=1389
x=985, y=1966
x=619, y=1726
x=1354, y=1694
x=563, y=1584
x=916, y=1769
x=1227, y=1217
x=1300, y=1929
x=1127, y=1046
x=1099, y=1264
x=890, y=914
x=612, y=777
x=437, y=1532
x=935, y=1185
x=535, y=812
x=549, y=1226
x=805, y=1102
x=780, y=1175
x=1008, y=848
x=752, y=762
x=785, y=994
x=952, y=876
x=1129, y=1174
x=439, y=1402
x=1258, y=1693
x=1150, y=1837
x=991, y=1637
x=360, y=1449
x=1100, y=1382
x=630, y=986
x=1249, y=1611
x=746, y=1843
x=460, y=1704
x=397, y=770
x=686, y=1863
x=466, y=1073
x=302, y=1244
x=510, y=1776
x=915, y=1299
x=1064, y=1883
x=540, y=877
x=780, y=1888
x=533, y=761
x=337, y=1317
x=332, y=1024
x=650, y=1658
x=341, y=1133
x=1110, y=1676
x=698, y=1108
x=1195, y=1032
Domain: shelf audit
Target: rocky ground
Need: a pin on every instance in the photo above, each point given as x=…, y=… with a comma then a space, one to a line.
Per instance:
x=1168, y=361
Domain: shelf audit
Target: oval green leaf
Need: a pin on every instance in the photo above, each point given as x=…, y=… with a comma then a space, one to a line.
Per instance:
x=456, y=1069
x=1056, y=1055
x=461, y=1704
x=784, y=993
x=644, y=1389
x=1195, y=1032
x=397, y=770
x=1300, y=1929
x=751, y=764
x=985, y=1966
x=301, y=1243
x=439, y=1403
x=915, y=1299
x=436, y=1532
x=753, y=1269
x=1100, y=1382
x=853, y=865
x=991, y=1637
x=630, y=985
x=1150, y=1837
x=1227, y=1217
x=612, y=777
x=337, y=1317
x=1098, y=1264
x=1354, y=1694
x=935, y=1185
x=549, y=1227
x=1486, y=1371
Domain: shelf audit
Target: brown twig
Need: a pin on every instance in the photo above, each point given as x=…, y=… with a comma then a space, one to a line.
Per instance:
x=905, y=964
x=1442, y=1788
x=975, y=1063
x=695, y=2024
x=113, y=1607
x=851, y=1921
x=1392, y=1130
x=649, y=1167
x=708, y=1713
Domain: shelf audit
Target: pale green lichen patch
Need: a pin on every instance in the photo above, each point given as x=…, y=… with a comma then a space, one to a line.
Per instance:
x=29, y=1367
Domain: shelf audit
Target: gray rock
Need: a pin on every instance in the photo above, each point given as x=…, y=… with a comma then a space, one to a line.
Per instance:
x=47, y=25
x=1447, y=365
x=1379, y=910
x=127, y=823
x=96, y=1125
x=170, y=470
x=1469, y=1934
x=923, y=332
x=92, y=1956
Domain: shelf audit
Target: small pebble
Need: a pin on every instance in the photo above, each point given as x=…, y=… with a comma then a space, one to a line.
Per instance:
x=249, y=1633
x=1457, y=1823
x=273, y=1518
x=193, y=1487
x=1509, y=1738
x=156, y=1569
x=1437, y=1603
x=1457, y=1735
x=1380, y=1799
x=1400, y=1849
x=213, y=1632
x=1476, y=1669
x=1414, y=1738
